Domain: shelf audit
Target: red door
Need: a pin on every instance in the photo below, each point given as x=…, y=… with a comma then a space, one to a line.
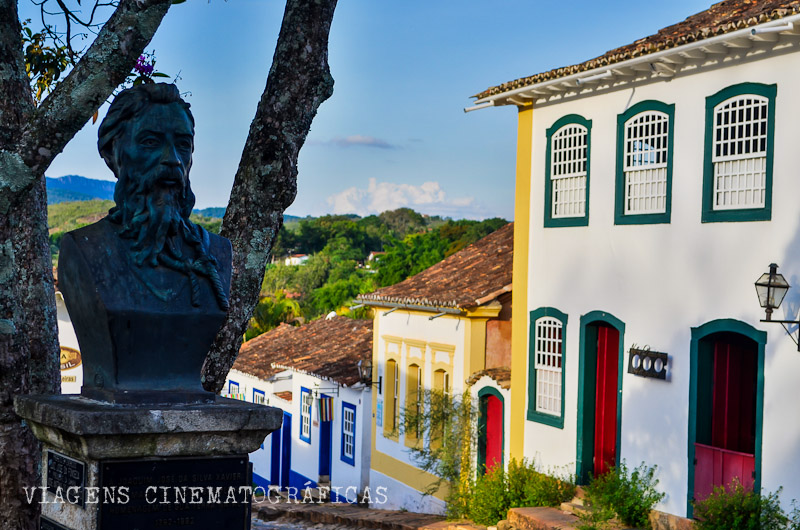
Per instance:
x=494, y=432
x=605, y=422
x=731, y=452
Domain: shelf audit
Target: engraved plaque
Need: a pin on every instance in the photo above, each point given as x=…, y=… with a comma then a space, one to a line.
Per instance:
x=47, y=524
x=64, y=472
x=188, y=493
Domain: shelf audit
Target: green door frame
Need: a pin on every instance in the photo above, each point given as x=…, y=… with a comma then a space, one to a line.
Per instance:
x=490, y=391
x=586, y=400
x=725, y=325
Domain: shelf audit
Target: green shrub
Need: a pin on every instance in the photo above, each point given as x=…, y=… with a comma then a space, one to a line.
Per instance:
x=630, y=495
x=493, y=494
x=489, y=499
x=528, y=487
x=736, y=507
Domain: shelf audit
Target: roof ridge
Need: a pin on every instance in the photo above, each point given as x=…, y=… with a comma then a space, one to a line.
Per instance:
x=691, y=29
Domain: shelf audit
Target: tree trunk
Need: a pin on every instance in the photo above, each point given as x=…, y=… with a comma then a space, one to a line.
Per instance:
x=266, y=181
x=29, y=140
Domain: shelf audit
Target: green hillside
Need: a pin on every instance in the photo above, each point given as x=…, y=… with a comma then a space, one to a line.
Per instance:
x=337, y=246
x=66, y=216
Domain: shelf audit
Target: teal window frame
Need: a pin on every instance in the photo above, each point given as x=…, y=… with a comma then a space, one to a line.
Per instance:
x=620, y=218
x=532, y=414
x=549, y=220
x=709, y=215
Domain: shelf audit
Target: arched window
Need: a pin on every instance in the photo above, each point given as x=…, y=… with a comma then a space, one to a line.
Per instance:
x=567, y=172
x=644, y=164
x=546, y=367
x=737, y=184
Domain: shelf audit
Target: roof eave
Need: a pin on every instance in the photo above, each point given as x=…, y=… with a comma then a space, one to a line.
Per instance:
x=659, y=64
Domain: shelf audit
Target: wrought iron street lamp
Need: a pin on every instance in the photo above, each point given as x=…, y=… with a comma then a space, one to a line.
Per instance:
x=365, y=374
x=771, y=288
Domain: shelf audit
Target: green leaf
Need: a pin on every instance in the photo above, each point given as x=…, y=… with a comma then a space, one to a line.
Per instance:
x=159, y=74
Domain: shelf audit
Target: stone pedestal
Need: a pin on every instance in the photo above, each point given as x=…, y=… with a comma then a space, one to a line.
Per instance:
x=124, y=467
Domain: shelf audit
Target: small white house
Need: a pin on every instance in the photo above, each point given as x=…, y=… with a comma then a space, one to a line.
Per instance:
x=295, y=259
x=655, y=184
x=312, y=373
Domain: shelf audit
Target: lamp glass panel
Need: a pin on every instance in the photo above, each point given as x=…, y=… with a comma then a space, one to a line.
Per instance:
x=771, y=290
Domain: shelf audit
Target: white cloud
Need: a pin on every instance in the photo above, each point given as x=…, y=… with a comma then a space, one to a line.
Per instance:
x=360, y=140
x=427, y=198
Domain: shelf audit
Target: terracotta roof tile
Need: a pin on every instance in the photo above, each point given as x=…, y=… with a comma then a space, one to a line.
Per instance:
x=329, y=349
x=501, y=375
x=461, y=280
x=720, y=18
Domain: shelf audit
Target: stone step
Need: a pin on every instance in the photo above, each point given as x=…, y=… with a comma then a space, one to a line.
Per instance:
x=576, y=508
x=542, y=519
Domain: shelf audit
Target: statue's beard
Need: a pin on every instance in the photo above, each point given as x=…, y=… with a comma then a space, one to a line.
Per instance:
x=154, y=216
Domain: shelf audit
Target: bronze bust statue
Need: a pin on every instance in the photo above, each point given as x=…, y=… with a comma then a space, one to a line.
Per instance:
x=146, y=289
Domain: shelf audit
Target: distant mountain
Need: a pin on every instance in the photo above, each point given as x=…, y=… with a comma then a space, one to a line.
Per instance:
x=56, y=196
x=216, y=212
x=77, y=188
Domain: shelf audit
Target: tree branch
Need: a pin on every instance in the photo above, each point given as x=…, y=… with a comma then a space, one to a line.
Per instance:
x=103, y=67
x=266, y=181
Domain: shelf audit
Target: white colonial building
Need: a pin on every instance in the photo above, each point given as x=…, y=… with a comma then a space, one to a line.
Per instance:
x=655, y=184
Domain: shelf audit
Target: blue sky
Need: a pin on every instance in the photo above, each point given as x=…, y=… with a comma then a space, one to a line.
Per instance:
x=394, y=132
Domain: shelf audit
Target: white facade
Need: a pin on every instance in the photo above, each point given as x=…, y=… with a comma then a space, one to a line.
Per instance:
x=348, y=477
x=662, y=280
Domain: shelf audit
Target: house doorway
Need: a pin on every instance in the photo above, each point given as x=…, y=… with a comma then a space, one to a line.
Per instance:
x=325, y=409
x=490, y=429
x=725, y=406
x=282, y=453
x=599, y=394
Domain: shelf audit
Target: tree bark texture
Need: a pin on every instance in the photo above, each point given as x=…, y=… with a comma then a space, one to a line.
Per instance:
x=266, y=180
x=29, y=140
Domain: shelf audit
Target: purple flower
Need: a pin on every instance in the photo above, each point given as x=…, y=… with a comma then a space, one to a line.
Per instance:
x=142, y=66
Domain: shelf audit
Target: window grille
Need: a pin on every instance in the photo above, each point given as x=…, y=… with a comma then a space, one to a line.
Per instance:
x=548, y=365
x=349, y=431
x=259, y=397
x=305, y=414
x=740, y=152
x=568, y=161
x=645, y=163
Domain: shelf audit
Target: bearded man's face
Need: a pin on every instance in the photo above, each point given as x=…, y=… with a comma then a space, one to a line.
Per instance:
x=152, y=158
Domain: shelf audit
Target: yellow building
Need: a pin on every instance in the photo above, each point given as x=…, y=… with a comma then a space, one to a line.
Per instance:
x=434, y=331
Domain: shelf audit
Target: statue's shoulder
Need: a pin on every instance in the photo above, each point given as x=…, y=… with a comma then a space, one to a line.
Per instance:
x=219, y=246
x=96, y=236
x=97, y=229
